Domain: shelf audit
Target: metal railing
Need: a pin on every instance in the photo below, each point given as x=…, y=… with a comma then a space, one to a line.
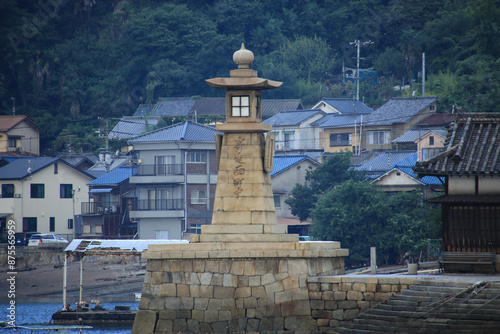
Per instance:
x=10, y=195
x=100, y=208
x=157, y=204
x=340, y=143
x=160, y=170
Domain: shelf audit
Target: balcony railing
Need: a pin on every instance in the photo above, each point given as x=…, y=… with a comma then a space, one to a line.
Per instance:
x=100, y=208
x=157, y=204
x=340, y=143
x=10, y=195
x=160, y=170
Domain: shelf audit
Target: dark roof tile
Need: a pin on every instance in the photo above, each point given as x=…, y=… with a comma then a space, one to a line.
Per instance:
x=472, y=147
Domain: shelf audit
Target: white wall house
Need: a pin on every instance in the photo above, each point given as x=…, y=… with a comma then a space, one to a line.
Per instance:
x=175, y=181
x=37, y=193
x=295, y=132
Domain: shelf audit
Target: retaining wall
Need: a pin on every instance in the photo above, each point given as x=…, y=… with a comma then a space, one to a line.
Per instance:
x=335, y=299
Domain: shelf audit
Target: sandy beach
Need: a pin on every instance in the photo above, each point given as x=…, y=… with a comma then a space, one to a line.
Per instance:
x=99, y=280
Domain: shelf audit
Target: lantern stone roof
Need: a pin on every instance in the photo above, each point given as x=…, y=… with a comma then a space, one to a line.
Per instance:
x=243, y=77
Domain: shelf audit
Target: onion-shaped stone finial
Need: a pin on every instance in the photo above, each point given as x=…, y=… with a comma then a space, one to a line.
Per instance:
x=243, y=57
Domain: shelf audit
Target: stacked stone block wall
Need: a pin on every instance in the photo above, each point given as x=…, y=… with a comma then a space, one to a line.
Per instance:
x=336, y=299
x=231, y=295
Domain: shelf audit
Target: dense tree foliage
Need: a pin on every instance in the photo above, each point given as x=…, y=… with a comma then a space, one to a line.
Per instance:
x=361, y=216
x=335, y=171
x=65, y=62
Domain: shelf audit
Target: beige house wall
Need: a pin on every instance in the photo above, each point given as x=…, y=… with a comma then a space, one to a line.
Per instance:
x=51, y=205
x=424, y=143
x=338, y=149
x=29, y=140
x=284, y=182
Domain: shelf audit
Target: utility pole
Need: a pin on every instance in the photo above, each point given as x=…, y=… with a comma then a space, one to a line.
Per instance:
x=423, y=74
x=358, y=44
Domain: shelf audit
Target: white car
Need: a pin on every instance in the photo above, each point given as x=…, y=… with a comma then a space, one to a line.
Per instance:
x=37, y=239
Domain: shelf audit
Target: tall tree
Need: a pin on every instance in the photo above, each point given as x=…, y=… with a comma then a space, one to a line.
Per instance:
x=335, y=171
x=361, y=216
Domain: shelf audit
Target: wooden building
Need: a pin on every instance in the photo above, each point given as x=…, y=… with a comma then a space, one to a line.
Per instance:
x=471, y=167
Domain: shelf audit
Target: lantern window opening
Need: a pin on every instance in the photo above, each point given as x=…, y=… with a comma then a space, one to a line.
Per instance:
x=240, y=106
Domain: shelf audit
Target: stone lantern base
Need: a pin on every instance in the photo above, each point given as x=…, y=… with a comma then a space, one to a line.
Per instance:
x=229, y=287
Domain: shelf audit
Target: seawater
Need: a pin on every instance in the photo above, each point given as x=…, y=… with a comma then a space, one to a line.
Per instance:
x=39, y=313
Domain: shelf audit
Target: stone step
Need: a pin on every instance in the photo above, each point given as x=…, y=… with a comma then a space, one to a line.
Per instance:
x=411, y=326
x=474, y=323
x=417, y=298
x=433, y=307
x=488, y=292
x=414, y=303
x=486, y=315
x=445, y=289
x=430, y=294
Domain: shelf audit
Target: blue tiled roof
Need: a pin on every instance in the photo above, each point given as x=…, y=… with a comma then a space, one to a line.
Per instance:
x=291, y=117
x=385, y=161
x=143, y=110
x=405, y=165
x=115, y=177
x=281, y=163
x=174, y=106
x=413, y=135
x=348, y=106
x=336, y=121
x=23, y=167
x=429, y=180
x=188, y=131
x=129, y=127
x=399, y=110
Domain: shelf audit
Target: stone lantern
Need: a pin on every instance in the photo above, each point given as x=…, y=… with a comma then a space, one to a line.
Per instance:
x=244, y=202
x=243, y=273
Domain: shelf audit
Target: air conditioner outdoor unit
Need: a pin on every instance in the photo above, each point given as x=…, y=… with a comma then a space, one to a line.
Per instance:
x=20, y=149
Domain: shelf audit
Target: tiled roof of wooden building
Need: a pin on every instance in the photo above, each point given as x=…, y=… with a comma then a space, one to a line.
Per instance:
x=472, y=147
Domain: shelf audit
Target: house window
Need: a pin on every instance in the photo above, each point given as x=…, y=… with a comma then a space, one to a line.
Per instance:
x=56, y=168
x=12, y=142
x=428, y=153
x=165, y=165
x=106, y=199
x=240, y=106
x=198, y=197
x=277, y=202
x=29, y=224
x=52, y=224
x=378, y=137
x=288, y=138
x=37, y=190
x=70, y=224
x=340, y=139
x=66, y=191
x=431, y=140
x=197, y=157
x=7, y=190
x=432, y=107
x=195, y=229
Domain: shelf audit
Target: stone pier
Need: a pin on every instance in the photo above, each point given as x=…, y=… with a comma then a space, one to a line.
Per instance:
x=244, y=273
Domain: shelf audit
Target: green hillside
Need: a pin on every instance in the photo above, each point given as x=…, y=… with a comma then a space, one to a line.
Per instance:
x=67, y=62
